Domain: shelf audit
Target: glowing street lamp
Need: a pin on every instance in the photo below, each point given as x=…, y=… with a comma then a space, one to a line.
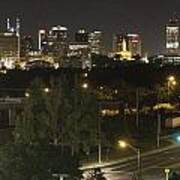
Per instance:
x=46, y=90
x=85, y=85
x=178, y=138
x=171, y=78
x=85, y=74
x=27, y=94
x=171, y=83
x=167, y=171
x=124, y=144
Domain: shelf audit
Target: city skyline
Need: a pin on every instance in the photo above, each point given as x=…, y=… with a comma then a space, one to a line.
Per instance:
x=112, y=17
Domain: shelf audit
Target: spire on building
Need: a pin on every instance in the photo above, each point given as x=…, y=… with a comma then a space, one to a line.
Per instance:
x=8, y=26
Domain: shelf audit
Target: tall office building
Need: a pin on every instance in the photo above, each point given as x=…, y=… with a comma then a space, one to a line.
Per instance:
x=8, y=45
x=42, y=39
x=80, y=47
x=126, y=46
x=10, y=40
x=81, y=36
x=134, y=44
x=118, y=42
x=58, y=41
x=54, y=41
x=96, y=42
x=172, y=36
x=27, y=45
x=79, y=50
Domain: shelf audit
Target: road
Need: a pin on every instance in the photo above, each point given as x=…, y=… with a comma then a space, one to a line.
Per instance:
x=152, y=165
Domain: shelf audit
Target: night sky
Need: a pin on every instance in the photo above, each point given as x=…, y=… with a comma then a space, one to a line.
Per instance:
x=142, y=16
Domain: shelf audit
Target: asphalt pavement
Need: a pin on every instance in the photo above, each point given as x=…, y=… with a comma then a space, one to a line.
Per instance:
x=153, y=164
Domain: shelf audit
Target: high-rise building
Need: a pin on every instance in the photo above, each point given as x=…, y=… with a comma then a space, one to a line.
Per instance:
x=118, y=42
x=79, y=50
x=8, y=45
x=10, y=40
x=81, y=36
x=126, y=46
x=42, y=40
x=172, y=36
x=96, y=42
x=54, y=41
x=27, y=45
x=134, y=44
x=80, y=47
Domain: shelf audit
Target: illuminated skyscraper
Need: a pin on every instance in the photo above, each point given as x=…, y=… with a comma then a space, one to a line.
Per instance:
x=126, y=46
x=58, y=41
x=42, y=39
x=96, y=42
x=134, y=44
x=118, y=42
x=54, y=41
x=27, y=45
x=172, y=36
x=8, y=45
x=10, y=40
x=81, y=36
x=80, y=48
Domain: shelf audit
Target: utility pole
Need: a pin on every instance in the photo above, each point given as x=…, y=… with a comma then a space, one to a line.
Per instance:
x=158, y=128
x=99, y=143
x=139, y=163
x=158, y=121
x=19, y=37
x=137, y=107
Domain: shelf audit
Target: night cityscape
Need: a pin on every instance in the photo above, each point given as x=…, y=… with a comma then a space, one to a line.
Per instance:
x=90, y=90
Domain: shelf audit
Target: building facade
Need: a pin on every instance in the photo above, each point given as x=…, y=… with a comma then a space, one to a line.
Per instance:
x=96, y=42
x=8, y=45
x=54, y=41
x=172, y=36
x=126, y=46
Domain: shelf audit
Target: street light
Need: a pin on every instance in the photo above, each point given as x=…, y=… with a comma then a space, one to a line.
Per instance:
x=178, y=138
x=171, y=78
x=85, y=85
x=171, y=82
x=46, y=90
x=124, y=144
x=27, y=94
x=167, y=171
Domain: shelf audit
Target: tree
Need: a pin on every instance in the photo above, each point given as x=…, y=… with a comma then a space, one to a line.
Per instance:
x=53, y=120
x=175, y=176
x=35, y=154
x=32, y=125
x=80, y=114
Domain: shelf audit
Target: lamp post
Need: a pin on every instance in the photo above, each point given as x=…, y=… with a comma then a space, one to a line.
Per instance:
x=158, y=128
x=137, y=108
x=85, y=85
x=99, y=142
x=124, y=144
x=167, y=171
x=171, y=82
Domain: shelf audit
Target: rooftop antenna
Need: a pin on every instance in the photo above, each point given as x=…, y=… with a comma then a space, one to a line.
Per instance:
x=17, y=26
x=8, y=24
x=18, y=36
